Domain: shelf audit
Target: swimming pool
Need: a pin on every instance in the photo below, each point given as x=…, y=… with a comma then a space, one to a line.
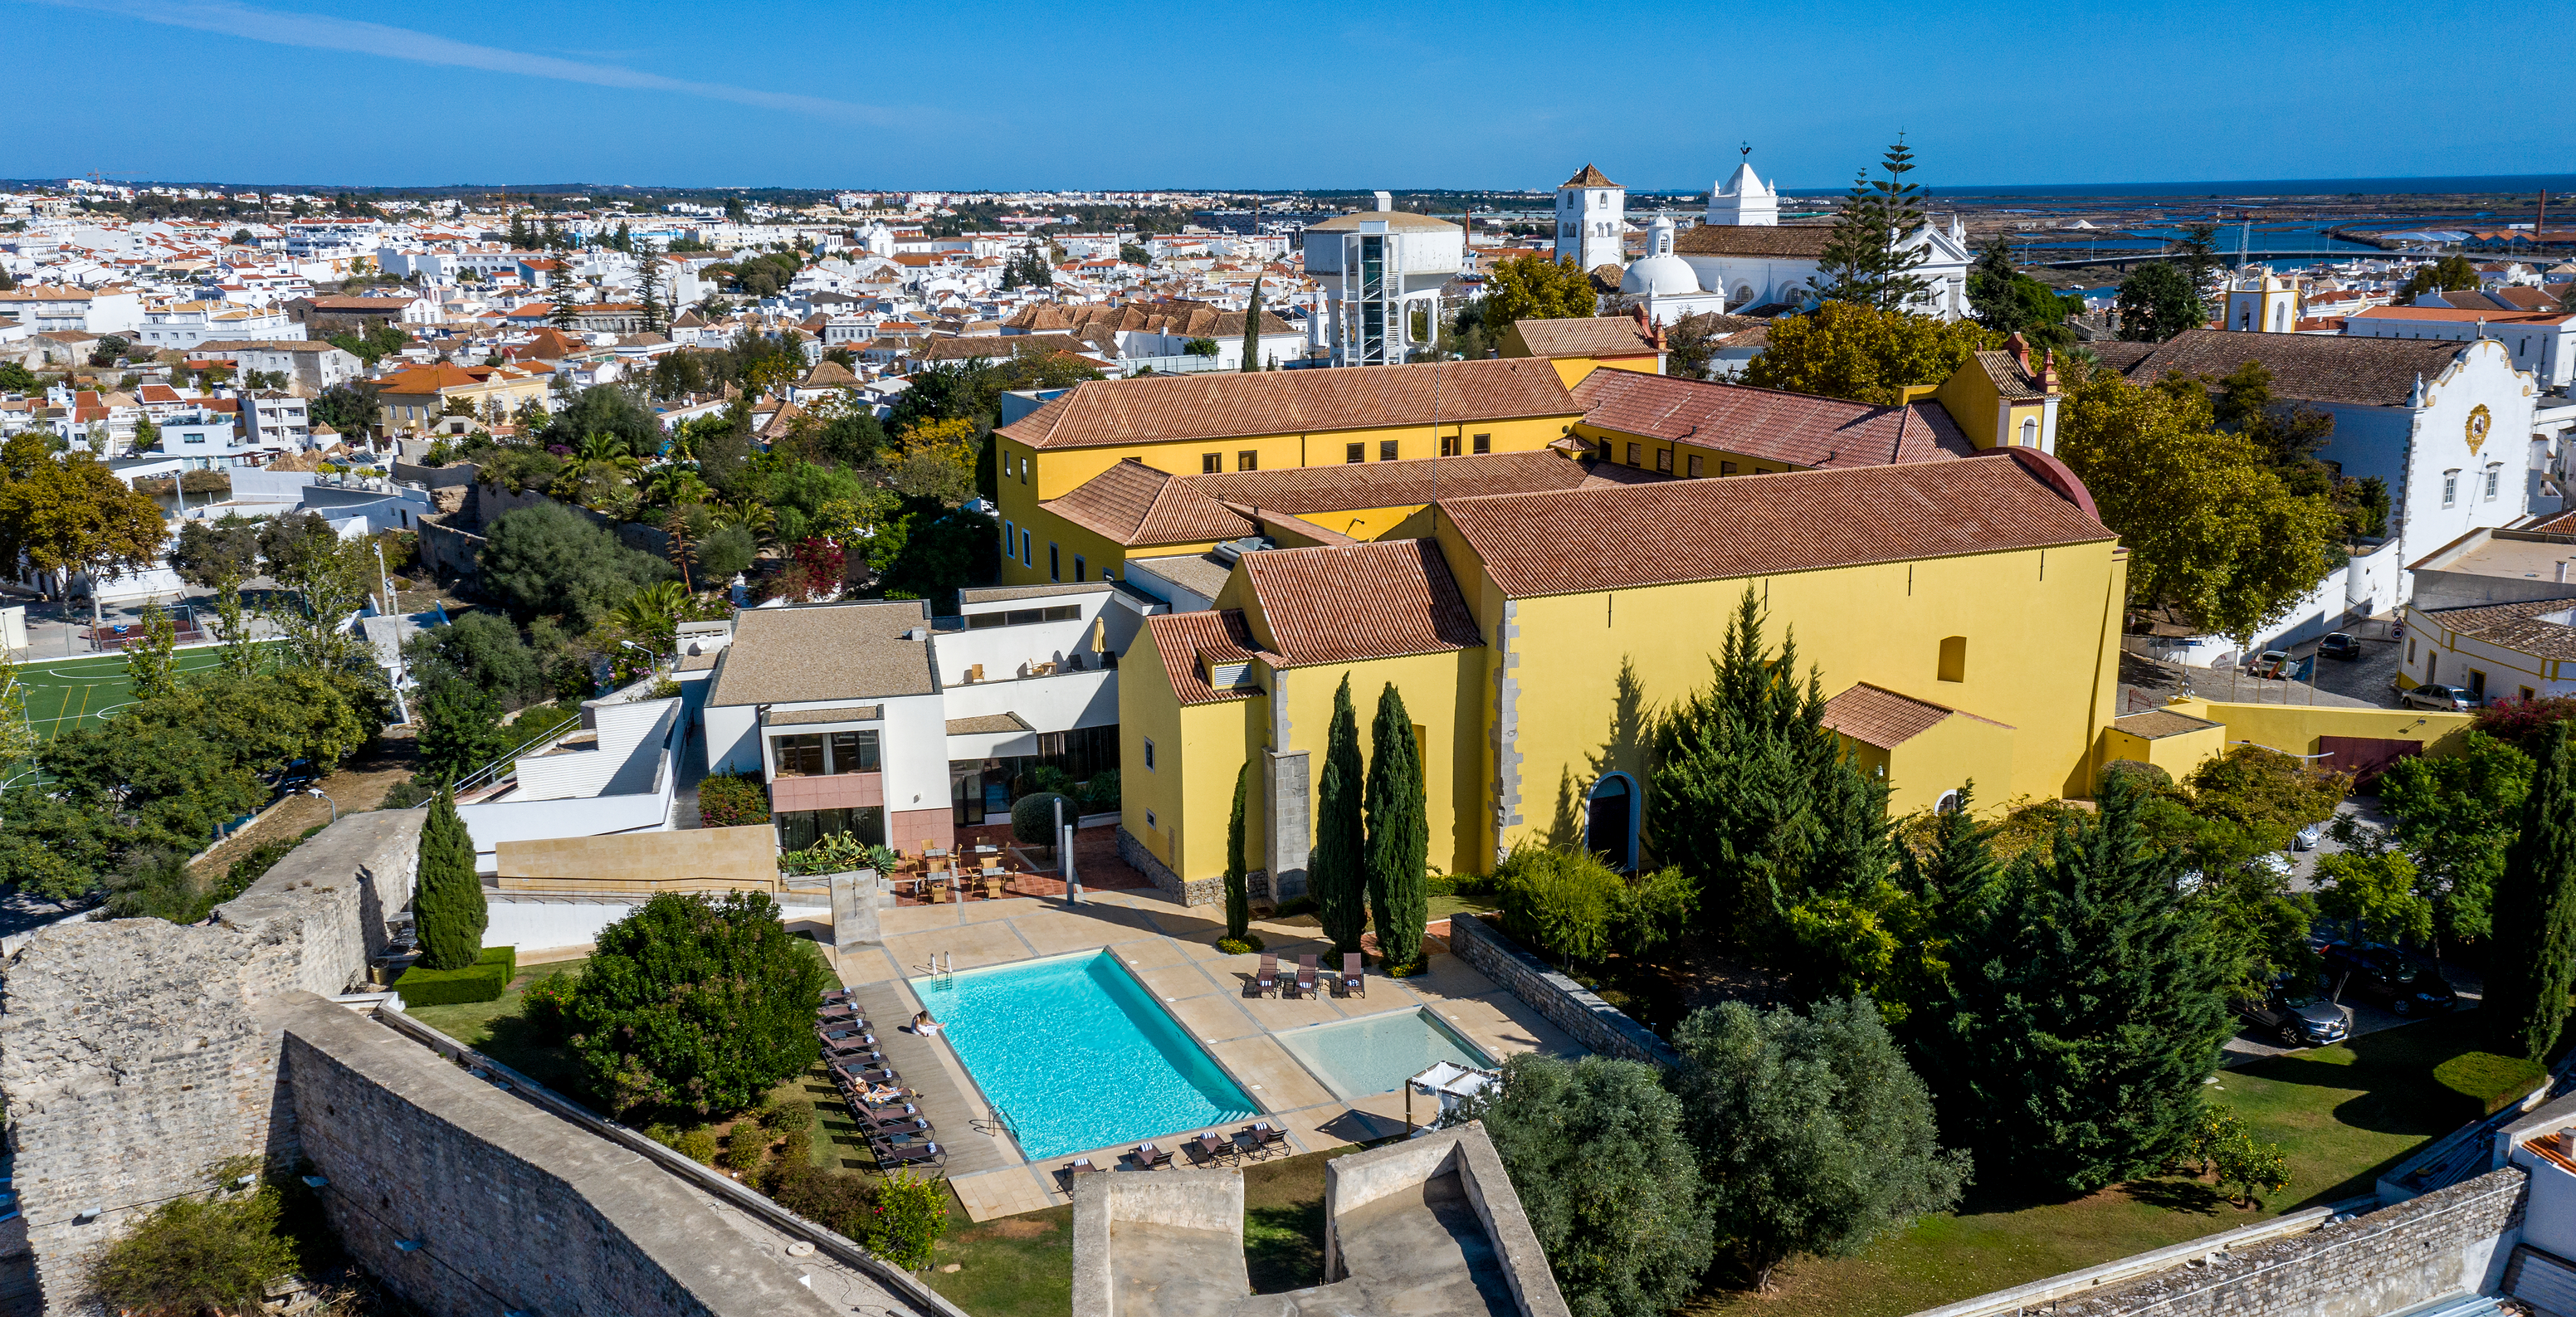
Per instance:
x=1357, y=1058
x=1079, y=1055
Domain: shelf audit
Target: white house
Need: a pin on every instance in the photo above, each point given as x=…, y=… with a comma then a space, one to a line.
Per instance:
x=182, y=326
x=2543, y=343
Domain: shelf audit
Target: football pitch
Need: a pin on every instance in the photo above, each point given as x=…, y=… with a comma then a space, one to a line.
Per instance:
x=68, y=693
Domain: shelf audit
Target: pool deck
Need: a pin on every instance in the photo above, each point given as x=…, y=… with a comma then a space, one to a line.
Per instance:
x=1171, y=951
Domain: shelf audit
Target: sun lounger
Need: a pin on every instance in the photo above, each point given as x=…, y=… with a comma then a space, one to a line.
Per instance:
x=1214, y=1147
x=1306, y=975
x=1078, y=1166
x=1147, y=1157
x=1354, y=983
x=836, y=994
x=894, y=1125
x=889, y=1155
x=1265, y=981
x=1265, y=1136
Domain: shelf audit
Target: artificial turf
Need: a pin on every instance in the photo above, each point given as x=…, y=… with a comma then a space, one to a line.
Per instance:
x=68, y=693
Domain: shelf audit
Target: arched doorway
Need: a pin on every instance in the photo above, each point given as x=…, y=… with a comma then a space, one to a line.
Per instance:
x=1610, y=821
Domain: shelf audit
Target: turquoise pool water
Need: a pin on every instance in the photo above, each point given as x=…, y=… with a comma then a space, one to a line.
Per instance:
x=1357, y=1058
x=1079, y=1054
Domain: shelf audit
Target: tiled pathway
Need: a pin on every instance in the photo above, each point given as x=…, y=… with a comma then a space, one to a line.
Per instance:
x=1169, y=949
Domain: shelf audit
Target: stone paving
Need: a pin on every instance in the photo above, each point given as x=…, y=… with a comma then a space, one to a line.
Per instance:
x=1171, y=950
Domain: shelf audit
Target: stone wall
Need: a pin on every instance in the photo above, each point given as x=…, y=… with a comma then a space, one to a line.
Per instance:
x=1567, y=1004
x=136, y=1053
x=1195, y=891
x=512, y=1209
x=2426, y=1248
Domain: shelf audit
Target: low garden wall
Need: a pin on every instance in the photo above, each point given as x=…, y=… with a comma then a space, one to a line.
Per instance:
x=1199, y=891
x=1567, y=1004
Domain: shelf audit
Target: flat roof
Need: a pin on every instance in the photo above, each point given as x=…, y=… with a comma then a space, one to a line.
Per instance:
x=994, y=594
x=2524, y=554
x=818, y=652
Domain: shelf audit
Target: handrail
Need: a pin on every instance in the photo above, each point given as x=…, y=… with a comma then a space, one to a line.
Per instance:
x=485, y=775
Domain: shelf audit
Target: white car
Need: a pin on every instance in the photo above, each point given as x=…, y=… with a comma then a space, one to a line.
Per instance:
x=2308, y=838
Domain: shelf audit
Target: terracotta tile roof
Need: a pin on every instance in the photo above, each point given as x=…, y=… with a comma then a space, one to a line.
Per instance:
x=1706, y=530
x=1791, y=240
x=2374, y=372
x=429, y=379
x=993, y=347
x=1588, y=176
x=2010, y=380
x=1186, y=641
x=1137, y=505
x=1176, y=317
x=1362, y=601
x=1229, y=403
x=829, y=375
x=2155, y=724
x=2485, y=315
x=1875, y=715
x=1591, y=336
x=2120, y=354
x=1797, y=428
x=825, y=652
x=1132, y=503
x=2516, y=626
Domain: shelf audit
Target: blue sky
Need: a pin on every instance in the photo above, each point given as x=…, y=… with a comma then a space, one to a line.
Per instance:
x=999, y=93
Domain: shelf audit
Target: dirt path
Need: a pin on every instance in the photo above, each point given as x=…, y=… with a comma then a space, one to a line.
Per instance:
x=356, y=786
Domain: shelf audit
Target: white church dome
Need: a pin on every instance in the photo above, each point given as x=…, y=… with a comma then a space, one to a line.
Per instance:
x=1660, y=276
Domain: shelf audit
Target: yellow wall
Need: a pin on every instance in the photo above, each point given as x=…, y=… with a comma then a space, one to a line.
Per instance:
x=2041, y=640
x=2177, y=755
x=1197, y=748
x=1952, y=751
x=1970, y=398
x=2294, y=728
x=1712, y=460
x=1054, y=472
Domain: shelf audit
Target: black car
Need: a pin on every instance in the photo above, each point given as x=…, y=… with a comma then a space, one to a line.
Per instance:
x=2376, y=972
x=2298, y=1017
x=2339, y=645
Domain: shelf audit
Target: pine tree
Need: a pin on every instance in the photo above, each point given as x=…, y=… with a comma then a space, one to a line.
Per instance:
x=2535, y=911
x=1866, y=260
x=1399, y=833
x=451, y=915
x=652, y=295
x=1252, y=331
x=1238, y=903
x=1336, y=870
x=2085, y=1007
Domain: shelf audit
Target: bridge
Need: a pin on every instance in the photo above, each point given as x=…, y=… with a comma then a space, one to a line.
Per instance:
x=2125, y=259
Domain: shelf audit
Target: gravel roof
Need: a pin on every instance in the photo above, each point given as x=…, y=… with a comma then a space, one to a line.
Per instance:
x=825, y=652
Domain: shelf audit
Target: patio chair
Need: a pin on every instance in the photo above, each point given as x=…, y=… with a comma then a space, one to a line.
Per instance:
x=1148, y=1157
x=1078, y=1166
x=1265, y=980
x=831, y=995
x=1354, y=983
x=1214, y=1147
x=1306, y=975
x=894, y=1125
x=889, y=1156
x=867, y=1074
x=1265, y=1135
x=992, y=887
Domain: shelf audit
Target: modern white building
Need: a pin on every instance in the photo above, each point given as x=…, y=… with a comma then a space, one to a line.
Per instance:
x=872, y=720
x=1376, y=268
x=182, y=326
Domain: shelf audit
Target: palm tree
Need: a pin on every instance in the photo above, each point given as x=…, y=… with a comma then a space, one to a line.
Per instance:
x=676, y=486
x=652, y=611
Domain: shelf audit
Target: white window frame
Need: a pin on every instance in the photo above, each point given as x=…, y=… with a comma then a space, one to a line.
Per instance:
x=2495, y=478
x=2451, y=488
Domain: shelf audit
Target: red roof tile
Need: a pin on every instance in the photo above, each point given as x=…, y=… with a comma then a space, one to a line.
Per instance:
x=1707, y=530
x=1185, y=642
x=1875, y=715
x=1363, y=601
x=1797, y=428
x=1224, y=404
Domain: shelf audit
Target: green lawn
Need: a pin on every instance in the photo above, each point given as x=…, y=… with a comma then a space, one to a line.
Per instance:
x=2344, y=1114
x=66, y=693
x=497, y=1029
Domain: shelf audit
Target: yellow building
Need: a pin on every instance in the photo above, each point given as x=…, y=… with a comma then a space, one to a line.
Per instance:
x=1964, y=615
x=1581, y=346
x=1234, y=423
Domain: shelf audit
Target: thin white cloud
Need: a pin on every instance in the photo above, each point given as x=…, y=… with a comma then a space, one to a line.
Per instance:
x=318, y=32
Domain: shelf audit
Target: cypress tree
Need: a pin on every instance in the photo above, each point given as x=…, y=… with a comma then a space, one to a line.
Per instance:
x=1238, y=904
x=1252, y=332
x=1399, y=836
x=1336, y=868
x=451, y=915
x=2535, y=911
x=2086, y=1004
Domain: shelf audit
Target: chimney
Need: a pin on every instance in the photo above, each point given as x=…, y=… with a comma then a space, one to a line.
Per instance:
x=2562, y=572
x=2048, y=373
x=2019, y=347
x=1386, y=201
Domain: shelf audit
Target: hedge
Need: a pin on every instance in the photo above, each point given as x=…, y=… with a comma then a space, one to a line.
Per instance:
x=727, y=800
x=484, y=980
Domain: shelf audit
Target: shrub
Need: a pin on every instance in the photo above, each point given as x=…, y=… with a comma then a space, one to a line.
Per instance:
x=698, y=1003
x=1557, y=903
x=746, y=1147
x=788, y=1114
x=838, y=852
x=1595, y=1149
x=1239, y=946
x=548, y=1003
x=663, y=1132
x=404, y=795
x=450, y=911
x=1100, y=794
x=838, y=1199
x=195, y=1254
x=797, y=1149
x=1033, y=818
x=731, y=800
x=1293, y=907
x=484, y=980
x=1046, y=777
x=911, y=1214
x=698, y=1144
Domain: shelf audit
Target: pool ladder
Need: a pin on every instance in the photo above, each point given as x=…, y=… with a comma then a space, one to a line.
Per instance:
x=943, y=966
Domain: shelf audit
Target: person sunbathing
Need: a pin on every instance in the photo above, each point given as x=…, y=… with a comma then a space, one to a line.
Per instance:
x=925, y=1026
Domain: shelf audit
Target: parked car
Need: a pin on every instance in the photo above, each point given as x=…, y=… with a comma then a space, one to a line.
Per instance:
x=2339, y=645
x=2308, y=838
x=2272, y=663
x=2448, y=699
x=2377, y=972
x=2298, y=1017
